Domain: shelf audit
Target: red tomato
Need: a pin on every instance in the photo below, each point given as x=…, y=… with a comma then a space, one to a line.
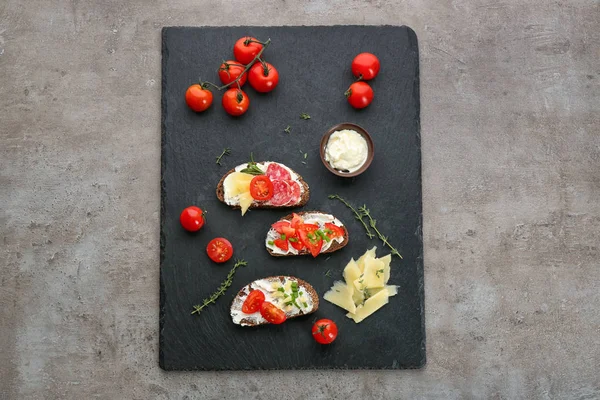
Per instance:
x=359, y=94
x=263, y=77
x=282, y=244
x=192, y=219
x=245, y=49
x=296, y=242
x=271, y=313
x=198, y=98
x=219, y=250
x=324, y=331
x=297, y=221
x=229, y=72
x=235, y=102
x=280, y=225
x=365, y=66
x=261, y=188
x=253, y=302
x=336, y=231
x=311, y=240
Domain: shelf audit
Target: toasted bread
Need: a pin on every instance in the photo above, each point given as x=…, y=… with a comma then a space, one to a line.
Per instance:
x=255, y=319
x=303, y=198
x=334, y=246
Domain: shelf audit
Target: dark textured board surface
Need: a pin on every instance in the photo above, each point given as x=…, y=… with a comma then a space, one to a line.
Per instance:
x=314, y=66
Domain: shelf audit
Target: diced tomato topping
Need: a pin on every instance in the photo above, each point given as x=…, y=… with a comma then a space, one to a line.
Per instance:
x=296, y=221
x=333, y=231
x=279, y=225
x=296, y=242
x=282, y=244
x=310, y=239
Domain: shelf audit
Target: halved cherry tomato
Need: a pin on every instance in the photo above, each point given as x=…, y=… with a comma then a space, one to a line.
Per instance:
x=336, y=231
x=279, y=227
x=310, y=239
x=261, y=188
x=365, y=66
x=263, y=77
x=245, y=49
x=253, y=302
x=359, y=94
x=198, y=98
x=235, y=102
x=229, y=72
x=192, y=218
x=296, y=221
x=271, y=313
x=282, y=244
x=219, y=250
x=296, y=242
x=324, y=331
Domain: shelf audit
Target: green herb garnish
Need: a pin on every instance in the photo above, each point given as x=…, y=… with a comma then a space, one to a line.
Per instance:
x=365, y=212
x=271, y=242
x=252, y=168
x=283, y=237
x=280, y=289
x=305, y=156
x=225, y=152
x=287, y=129
x=304, y=304
x=357, y=215
x=379, y=271
x=304, y=116
x=328, y=273
x=222, y=289
x=323, y=236
x=293, y=240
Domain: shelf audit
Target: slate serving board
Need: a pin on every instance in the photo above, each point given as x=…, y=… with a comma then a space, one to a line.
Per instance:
x=314, y=66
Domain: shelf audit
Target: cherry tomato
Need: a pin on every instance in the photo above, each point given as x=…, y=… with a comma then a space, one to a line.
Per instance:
x=261, y=188
x=263, y=77
x=310, y=239
x=245, y=49
x=296, y=242
x=253, y=302
x=198, y=98
x=229, y=72
x=235, y=102
x=332, y=230
x=271, y=313
x=192, y=218
x=219, y=250
x=282, y=244
x=297, y=221
x=365, y=66
x=359, y=94
x=324, y=331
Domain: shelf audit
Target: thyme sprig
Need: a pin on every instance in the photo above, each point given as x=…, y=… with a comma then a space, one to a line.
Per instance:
x=226, y=152
x=222, y=289
x=373, y=223
x=357, y=215
x=304, y=116
x=288, y=129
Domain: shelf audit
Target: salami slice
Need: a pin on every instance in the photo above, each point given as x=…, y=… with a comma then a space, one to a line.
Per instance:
x=295, y=188
x=282, y=193
x=276, y=172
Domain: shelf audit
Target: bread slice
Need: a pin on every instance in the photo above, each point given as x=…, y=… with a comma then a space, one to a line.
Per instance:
x=335, y=246
x=303, y=199
x=256, y=319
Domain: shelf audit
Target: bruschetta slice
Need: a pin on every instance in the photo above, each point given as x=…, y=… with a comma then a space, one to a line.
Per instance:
x=273, y=300
x=307, y=232
x=266, y=184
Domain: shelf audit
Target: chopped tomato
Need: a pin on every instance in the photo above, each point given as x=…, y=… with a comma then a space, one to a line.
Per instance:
x=271, y=313
x=296, y=221
x=284, y=228
x=333, y=231
x=296, y=242
x=310, y=239
x=261, y=188
x=282, y=244
x=253, y=302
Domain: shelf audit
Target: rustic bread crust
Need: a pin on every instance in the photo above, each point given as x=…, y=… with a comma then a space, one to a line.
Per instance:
x=248, y=288
x=303, y=200
x=335, y=246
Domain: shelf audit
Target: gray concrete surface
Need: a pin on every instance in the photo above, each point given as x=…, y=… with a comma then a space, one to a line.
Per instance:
x=511, y=175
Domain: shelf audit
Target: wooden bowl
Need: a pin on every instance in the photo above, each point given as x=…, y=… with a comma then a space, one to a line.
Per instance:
x=363, y=133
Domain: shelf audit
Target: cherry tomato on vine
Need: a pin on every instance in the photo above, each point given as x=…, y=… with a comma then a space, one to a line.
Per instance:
x=219, y=250
x=263, y=77
x=192, y=218
x=359, y=94
x=235, y=102
x=245, y=49
x=365, y=66
x=261, y=188
x=324, y=331
x=271, y=313
x=229, y=72
x=253, y=302
x=198, y=98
